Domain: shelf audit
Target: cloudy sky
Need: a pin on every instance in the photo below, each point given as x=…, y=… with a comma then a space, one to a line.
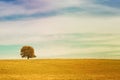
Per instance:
x=60, y=28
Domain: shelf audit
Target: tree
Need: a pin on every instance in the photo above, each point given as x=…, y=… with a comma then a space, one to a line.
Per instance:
x=27, y=52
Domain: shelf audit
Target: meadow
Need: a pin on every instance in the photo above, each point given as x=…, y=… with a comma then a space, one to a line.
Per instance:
x=60, y=69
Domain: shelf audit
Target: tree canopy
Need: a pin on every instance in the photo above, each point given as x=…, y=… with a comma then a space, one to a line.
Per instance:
x=27, y=52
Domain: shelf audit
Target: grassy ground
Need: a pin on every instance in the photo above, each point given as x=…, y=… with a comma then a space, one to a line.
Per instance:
x=55, y=69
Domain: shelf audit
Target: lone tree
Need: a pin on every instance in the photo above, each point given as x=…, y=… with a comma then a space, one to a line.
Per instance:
x=27, y=52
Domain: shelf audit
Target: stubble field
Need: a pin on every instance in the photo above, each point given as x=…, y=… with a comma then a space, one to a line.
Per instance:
x=60, y=69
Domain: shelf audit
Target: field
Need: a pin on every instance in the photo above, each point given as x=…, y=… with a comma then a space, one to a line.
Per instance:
x=60, y=69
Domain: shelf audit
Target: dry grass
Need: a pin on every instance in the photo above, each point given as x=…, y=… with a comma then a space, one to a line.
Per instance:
x=66, y=69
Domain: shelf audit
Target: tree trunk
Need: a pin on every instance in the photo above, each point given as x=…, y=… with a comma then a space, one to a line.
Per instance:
x=27, y=57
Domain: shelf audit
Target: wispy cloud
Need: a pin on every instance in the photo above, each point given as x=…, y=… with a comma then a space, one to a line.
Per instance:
x=21, y=32
x=110, y=3
x=60, y=28
x=19, y=9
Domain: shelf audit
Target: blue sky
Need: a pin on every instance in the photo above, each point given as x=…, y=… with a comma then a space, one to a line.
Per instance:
x=60, y=28
x=110, y=3
x=22, y=9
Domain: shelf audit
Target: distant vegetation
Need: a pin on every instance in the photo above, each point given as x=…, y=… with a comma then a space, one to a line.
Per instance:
x=27, y=52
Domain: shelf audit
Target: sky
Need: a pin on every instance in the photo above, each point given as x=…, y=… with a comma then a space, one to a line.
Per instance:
x=60, y=28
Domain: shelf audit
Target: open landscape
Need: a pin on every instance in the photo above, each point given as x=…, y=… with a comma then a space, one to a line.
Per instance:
x=60, y=69
x=60, y=39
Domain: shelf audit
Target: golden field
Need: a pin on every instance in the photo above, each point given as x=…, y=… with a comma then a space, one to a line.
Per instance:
x=60, y=69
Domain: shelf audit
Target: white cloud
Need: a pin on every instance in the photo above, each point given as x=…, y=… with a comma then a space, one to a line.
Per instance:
x=38, y=30
x=20, y=32
x=28, y=7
